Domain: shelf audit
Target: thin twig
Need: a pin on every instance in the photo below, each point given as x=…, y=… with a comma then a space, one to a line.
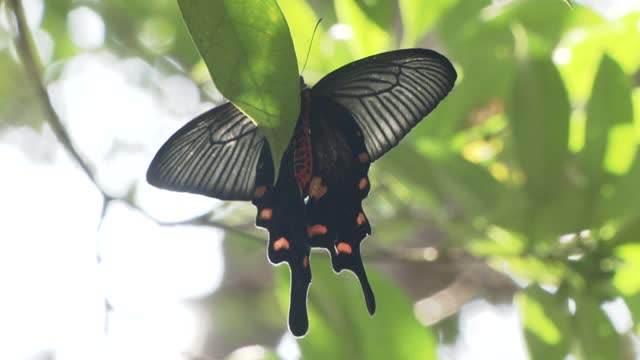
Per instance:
x=33, y=68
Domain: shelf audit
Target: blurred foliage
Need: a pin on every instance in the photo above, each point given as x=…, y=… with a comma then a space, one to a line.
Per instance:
x=530, y=163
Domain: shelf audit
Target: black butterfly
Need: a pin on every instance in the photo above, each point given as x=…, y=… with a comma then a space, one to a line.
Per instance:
x=347, y=120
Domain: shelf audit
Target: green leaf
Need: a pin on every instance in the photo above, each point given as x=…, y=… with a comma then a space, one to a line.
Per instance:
x=535, y=269
x=497, y=242
x=581, y=54
x=368, y=37
x=546, y=323
x=250, y=55
x=341, y=327
x=620, y=198
x=626, y=279
x=380, y=11
x=598, y=339
x=610, y=105
x=542, y=21
x=539, y=114
x=325, y=54
x=633, y=303
x=418, y=17
x=621, y=149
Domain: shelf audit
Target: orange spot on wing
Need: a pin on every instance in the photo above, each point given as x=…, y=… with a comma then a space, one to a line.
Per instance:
x=281, y=243
x=343, y=247
x=260, y=191
x=361, y=219
x=363, y=157
x=316, y=189
x=363, y=183
x=316, y=230
x=305, y=261
x=266, y=214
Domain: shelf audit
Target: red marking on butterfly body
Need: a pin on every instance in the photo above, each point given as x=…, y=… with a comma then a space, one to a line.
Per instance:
x=302, y=156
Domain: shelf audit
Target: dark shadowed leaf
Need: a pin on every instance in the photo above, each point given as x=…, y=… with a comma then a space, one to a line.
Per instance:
x=250, y=55
x=539, y=114
x=610, y=105
x=598, y=339
x=483, y=50
x=622, y=197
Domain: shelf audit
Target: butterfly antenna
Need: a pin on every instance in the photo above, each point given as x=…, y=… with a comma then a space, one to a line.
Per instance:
x=311, y=42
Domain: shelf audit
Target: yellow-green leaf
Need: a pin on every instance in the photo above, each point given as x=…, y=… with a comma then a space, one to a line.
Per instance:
x=546, y=323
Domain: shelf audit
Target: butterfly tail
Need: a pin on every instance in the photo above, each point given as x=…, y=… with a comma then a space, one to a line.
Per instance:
x=281, y=210
x=336, y=222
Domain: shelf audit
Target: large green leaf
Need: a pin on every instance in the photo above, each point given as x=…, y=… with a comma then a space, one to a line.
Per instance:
x=418, y=17
x=341, y=327
x=249, y=52
x=539, y=114
x=483, y=49
x=546, y=323
x=598, y=338
x=380, y=11
x=580, y=54
x=610, y=105
x=542, y=21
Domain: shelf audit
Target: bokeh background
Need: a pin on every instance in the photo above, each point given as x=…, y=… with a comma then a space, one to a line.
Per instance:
x=506, y=226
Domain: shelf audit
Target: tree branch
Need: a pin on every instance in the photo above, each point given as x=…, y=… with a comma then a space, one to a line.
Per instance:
x=30, y=58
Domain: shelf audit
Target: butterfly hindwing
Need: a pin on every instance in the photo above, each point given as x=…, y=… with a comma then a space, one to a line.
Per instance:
x=215, y=154
x=389, y=93
x=336, y=220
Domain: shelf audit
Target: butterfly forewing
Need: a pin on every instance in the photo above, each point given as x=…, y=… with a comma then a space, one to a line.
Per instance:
x=389, y=93
x=215, y=154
